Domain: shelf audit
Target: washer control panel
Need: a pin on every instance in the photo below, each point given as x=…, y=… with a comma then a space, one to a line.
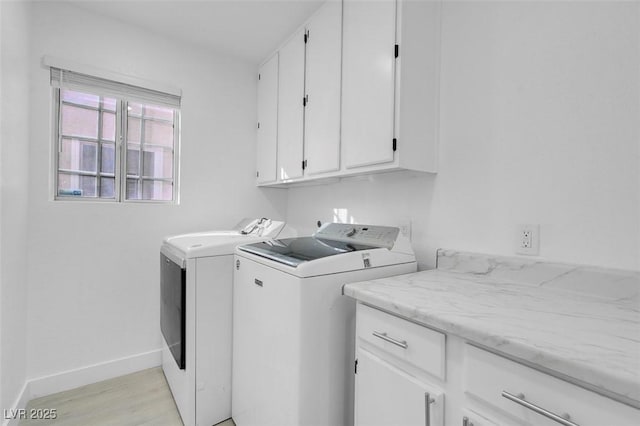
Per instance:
x=378, y=236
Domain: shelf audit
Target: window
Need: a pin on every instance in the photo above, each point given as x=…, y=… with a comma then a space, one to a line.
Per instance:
x=117, y=143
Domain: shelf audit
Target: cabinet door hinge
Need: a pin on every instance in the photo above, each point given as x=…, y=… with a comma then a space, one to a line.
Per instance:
x=258, y=76
x=397, y=50
x=304, y=164
x=306, y=36
x=395, y=144
x=258, y=124
x=257, y=174
x=305, y=100
x=355, y=367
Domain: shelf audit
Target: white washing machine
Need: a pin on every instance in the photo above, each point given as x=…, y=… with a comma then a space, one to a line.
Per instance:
x=293, y=330
x=195, y=316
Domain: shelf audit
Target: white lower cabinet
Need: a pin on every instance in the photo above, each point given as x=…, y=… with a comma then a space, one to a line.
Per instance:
x=394, y=384
x=404, y=370
x=526, y=396
x=471, y=418
x=386, y=395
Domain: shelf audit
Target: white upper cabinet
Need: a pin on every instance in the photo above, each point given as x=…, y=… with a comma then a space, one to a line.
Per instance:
x=290, y=108
x=322, y=114
x=368, y=82
x=390, y=86
x=267, y=121
x=369, y=77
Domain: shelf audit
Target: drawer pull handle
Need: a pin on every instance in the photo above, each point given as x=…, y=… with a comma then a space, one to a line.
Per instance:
x=519, y=399
x=383, y=336
x=427, y=408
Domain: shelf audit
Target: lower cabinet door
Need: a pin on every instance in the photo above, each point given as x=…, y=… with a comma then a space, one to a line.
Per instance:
x=386, y=395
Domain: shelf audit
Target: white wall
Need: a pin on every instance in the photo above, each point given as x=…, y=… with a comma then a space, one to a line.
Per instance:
x=93, y=283
x=539, y=124
x=14, y=143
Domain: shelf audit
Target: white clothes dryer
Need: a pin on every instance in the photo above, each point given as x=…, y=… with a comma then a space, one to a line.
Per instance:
x=293, y=330
x=195, y=316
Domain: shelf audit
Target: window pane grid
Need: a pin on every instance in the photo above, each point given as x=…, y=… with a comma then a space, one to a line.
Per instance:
x=150, y=152
x=77, y=144
x=75, y=105
x=147, y=118
x=88, y=163
x=84, y=173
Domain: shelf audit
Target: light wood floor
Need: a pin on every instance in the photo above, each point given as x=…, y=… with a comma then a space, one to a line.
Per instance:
x=141, y=398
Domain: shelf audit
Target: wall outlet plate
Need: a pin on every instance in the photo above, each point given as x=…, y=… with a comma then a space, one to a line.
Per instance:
x=528, y=239
x=405, y=228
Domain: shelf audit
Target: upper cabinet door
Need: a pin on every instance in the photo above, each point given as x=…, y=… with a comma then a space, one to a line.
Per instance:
x=368, y=81
x=290, y=108
x=323, y=74
x=267, y=121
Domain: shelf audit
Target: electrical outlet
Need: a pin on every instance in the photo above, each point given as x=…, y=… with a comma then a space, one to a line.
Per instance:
x=528, y=240
x=405, y=228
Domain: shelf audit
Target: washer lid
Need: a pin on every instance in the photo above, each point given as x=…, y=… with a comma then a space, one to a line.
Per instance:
x=294, y=251
x=217, y=243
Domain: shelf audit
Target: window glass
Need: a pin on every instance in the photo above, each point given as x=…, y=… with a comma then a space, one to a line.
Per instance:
x=156, y=190
x=133, y=159
x=108, y=160
x=109, y=104
x=77, y=155
x=80, y=122
x=158, y=162
x=89, y=163
x=150, y=154
x=107, y=187
x=133, y=192
x=158, y=133
x=134, y=109
x=85, y=99
x=133, y=129
x=159, y=113
x=108, y=126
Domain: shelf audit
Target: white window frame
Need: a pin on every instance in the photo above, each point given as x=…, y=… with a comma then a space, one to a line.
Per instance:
x=120, y=169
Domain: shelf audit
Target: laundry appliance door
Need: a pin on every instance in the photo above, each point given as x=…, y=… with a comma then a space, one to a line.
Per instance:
x=173, y=283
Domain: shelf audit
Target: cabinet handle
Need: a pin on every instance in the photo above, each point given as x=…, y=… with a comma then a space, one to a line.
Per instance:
x=383, y=336
x=427, y=408
x=519, y=399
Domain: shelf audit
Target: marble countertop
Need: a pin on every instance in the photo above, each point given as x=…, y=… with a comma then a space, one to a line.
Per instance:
x=579, y=323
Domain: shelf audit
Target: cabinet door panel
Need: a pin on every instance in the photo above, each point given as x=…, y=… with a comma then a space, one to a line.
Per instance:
x=267, y=121
x=368, y=81
x=290, y=108
x=386, y=395
x=323, y=73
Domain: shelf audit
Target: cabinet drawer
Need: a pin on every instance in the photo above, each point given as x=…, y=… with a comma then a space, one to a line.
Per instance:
x=488, y=376
x=417, y=345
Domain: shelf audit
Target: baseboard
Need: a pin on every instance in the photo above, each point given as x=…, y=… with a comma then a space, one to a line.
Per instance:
x=71, y=379
x=20, y=404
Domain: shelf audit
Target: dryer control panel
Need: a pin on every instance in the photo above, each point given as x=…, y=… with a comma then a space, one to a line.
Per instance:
x=378, y=236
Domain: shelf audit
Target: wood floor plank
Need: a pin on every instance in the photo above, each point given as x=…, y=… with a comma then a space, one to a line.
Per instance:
x=141, y=398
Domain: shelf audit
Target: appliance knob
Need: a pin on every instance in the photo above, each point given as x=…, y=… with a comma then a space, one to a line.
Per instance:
x=352, y=232
x=237, y=264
